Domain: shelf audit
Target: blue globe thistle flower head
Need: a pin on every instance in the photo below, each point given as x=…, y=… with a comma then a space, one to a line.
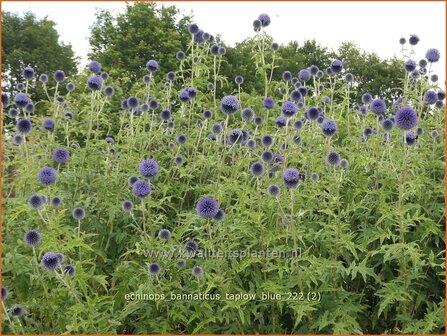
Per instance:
x=409, y=65
x=278, y=159
x=43, y=78
x=110, y=140
x=153, y=104
x=154, y=269
x=313, y=113
x=415, y=74
x=95, y=67
x=333, y=158
x=434, y=78
x=387, y=124
x=423, y=63
x=304, y=75
x=18, y=139
x=207, y=114
x=56, y=201
x=320, y=119
x=182, y=139
x=220, y=216
x=229, y=105
x=410, y=138
x=149, y=168
x=70, y=87
x=432, y=55
x=192, y=92
x=291, y=178
x=298, y=125
x=16, y=311
x=61, y=155
x=198, y=37
x=36, y=201
x=197, y=271
x=141, y=189
x=28, y=73
x=5, y=100
x=402, y=41
x=344, y=163
x=303, y=91
x=257, y=25
x=207, y=207
x=336, y=66
x=30, y=108
x=414, y=39
x=109, y=91
x=50, y=261
x=59, y=76
x=349, y=78
x=178, y=160
x=217, y=128
x=328, y=127
x=184, y=96
x=32, y=238
x=280, y=122
x=206, y=36
x=377, y=106
x=268, y=103
x=420, y=131
x=127, y=206
x=78, y=214
x=430, y=97
x=267, y=140
x=315, y=176
x=47, y=176
x=288, y=109
x=247, y=114
x=193, y=28
x=132, y=102
x=170, y=76
x=296, y=95
x=70, y=270
x=286, y=76
x=235, y=137
x=5, y=293
x=191, y=247
x=94, y=83
x=320, y=74
x=275, y=46
x=406, y=118
x=367, y=131
x=104, y=75
x=214, y=49
x=265, y=19
x=366, y=98
x=165, y=115
x=180, y=55
x=267, y=156
x=257, y=169
x=273, y=190
x=24, y=126
x=313, y=70
x=441, y=95
x=258, y=121
x=222, y=51
x=21, y=100
x=239, y=79
x=131, y=180
x=20, y=87
x=152, y=66
x=164, y=234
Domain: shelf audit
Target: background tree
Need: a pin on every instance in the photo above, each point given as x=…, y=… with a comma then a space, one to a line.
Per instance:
x=29, y=41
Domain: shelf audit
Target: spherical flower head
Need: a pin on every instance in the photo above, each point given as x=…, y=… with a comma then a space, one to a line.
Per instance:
x=141, y=189
x=409, y=65
x=24, y=126
x=70, y=87
x=265, y=19
x=303, y=90
x=420, y=131
x=149, y=168
x=366, y=98
x=217, y=128
x=180, y=55
x=298, y=125
x=127, y=206
x=214, y=49
x=304, y=75
x=191, y=247
x=70, y=270
x=333, y=159
x=257, y=25
x=296, y=95
x=61, y=155
x=165, y=115
x=198, y=37
x=280, y=122
x=257, y=169
x=193, y=28
x=286, y=76
x=104, y=75
x=349, y=78
x=410, y=138
x=5, y=293
x=170, y=76
x=16, y=311
x=430, y=97
x=28, y=73
x=32, y=238
x=313, y=113
x=36, y=201
x=414, y=39
x=164, y=234
x=344, y=163
x=152, y=66
x=291, y=178
x=184, y=96
x=30, y=108
x=267, y=156
x=288, y=109
x=268, y=103
x=153, y=269
x=109, y=91
x=328, y=127
x=273, y=190
x=43, y=78
x=182, y=139
x=387, y=124
x=197, y=271
x=275, y=46
x=229, y=105
x=267, y=140
x=207, y=114
x=59, y=76
x=247, y=114
x=207, y=207
x=50, y=261
x=315, y=176
x=192, y=92
x=21, y=99
x=18, y=139
x=402, y=41
x=94, y=83
x=336, y=66
x=5, y=100
x=239, y=80
x=406, y=118
x=377, y=106
x=47, y=176
x=78, y=214
x=95, y=67
x=258, y=121
x=423, y=63
x=56, y=201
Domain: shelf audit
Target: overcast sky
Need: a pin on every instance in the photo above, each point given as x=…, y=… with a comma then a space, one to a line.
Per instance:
x=373, y=26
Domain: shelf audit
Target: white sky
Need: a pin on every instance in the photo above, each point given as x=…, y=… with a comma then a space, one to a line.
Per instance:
x=373, y=26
